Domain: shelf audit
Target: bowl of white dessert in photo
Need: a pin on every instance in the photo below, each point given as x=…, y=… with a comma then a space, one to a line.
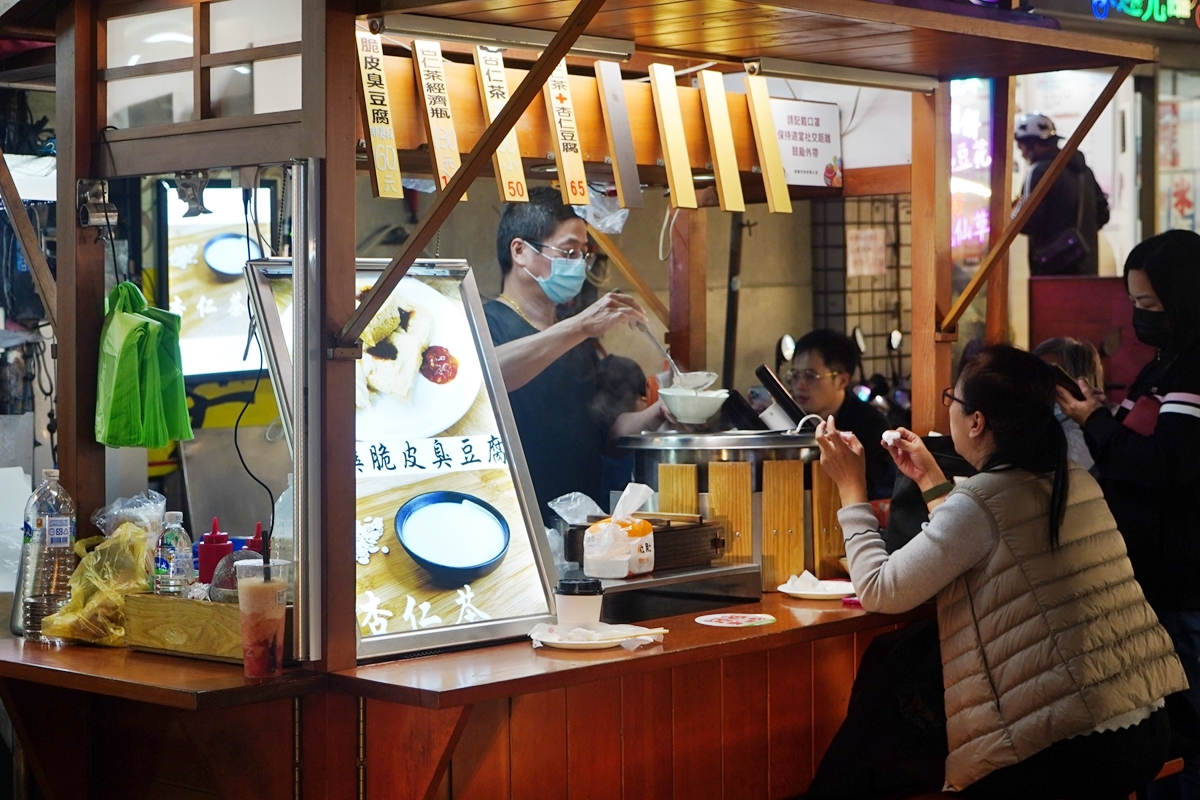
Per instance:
x=454, y=537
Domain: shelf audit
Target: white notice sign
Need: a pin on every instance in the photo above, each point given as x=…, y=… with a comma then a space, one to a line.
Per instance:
x=866, y=251
x=810, y=142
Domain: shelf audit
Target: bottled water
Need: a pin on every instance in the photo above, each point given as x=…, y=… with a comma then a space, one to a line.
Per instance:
x=173, y=571
x=49, y=559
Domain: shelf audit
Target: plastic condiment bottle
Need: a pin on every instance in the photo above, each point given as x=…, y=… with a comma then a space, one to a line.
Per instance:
x=255, y=543
x=213, y=547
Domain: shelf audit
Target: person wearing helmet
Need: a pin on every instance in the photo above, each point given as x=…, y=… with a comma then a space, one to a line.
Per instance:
x=1064, y=230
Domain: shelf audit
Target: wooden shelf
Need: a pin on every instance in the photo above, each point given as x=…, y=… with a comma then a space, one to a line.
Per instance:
x=162, y=680
x=473, y=676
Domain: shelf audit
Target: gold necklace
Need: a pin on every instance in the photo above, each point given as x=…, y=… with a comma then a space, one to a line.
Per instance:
x=515, y=306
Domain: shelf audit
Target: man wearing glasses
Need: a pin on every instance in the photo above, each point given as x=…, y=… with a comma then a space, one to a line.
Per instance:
x=822, y=368
x=549, y=364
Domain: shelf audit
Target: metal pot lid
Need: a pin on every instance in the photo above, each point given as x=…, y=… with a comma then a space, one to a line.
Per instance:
x=727, y=440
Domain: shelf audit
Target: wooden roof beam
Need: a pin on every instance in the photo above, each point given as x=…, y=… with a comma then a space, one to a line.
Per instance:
x=479, y=156
x=1030, y=204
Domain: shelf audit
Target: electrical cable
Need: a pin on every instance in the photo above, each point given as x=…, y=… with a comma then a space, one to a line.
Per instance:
x=238, y=424
x=247, y=194
x=662, y=234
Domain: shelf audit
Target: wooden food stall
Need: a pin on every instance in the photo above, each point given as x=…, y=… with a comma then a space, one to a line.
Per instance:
x=710, y=712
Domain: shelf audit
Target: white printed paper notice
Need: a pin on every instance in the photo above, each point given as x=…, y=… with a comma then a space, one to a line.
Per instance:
x=810, y=142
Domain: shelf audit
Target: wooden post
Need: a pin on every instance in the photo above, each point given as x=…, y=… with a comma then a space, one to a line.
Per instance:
x=336, y=254
x=1003, y=97
x=688, y=284
x=932, y=265
x=80, y=264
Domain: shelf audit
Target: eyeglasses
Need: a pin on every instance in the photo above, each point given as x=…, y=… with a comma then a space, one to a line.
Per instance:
x=586, y=253
x=808, y=376
x=948, y=398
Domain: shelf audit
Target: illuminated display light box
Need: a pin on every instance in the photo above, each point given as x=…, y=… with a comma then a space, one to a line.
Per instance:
x=447, y=549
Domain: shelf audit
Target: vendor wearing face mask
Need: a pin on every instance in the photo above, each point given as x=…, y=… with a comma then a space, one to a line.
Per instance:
x=1148, y=453
x=549, y=366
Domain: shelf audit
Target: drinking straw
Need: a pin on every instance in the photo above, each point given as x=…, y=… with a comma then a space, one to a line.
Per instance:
x=266, y=555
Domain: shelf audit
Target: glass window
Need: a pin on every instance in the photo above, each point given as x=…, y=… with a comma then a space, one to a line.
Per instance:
x=257, y=88
x=1178, y=149
x=150, y=100
x=238, y=24
x=146, y=38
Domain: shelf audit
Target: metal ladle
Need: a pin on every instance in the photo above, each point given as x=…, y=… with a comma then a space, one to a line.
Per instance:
x=695, y=381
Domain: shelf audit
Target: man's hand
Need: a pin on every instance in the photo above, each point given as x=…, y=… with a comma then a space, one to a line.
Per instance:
x=843, y=460
x=1079, y=410
x=605, y=314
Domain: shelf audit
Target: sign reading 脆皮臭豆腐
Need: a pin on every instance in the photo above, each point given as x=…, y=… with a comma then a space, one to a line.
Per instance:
x=810, y=141
x=378, y=116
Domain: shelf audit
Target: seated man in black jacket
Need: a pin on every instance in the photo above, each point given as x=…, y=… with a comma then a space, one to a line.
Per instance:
x=822, y=369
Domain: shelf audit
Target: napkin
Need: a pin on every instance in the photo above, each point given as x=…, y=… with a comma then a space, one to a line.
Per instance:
x=807, y=582
x=595, y=632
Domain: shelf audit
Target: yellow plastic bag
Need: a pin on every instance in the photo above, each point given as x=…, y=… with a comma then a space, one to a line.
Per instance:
x=96, y=611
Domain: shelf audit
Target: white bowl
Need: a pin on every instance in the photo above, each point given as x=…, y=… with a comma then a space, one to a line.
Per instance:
x=693, y=407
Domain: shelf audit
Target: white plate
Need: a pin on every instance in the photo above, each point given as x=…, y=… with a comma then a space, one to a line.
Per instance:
x=434, y=407
x=733, y=620
x=837, y=595
x=560, y=645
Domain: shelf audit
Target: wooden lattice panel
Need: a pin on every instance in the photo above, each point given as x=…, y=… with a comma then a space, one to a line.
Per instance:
x=677, y=489
x=782, y=522
x=730, y=502
x=828, y=545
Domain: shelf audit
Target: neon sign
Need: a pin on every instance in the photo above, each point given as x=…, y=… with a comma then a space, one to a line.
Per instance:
x=1145, y=10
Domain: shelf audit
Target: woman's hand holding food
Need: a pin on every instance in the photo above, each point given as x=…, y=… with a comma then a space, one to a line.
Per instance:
x=913, y=458
x=843, y=460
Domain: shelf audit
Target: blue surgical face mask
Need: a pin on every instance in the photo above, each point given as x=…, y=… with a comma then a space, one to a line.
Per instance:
x=565, y=281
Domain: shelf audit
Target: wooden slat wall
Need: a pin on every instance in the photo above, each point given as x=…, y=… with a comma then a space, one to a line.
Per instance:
x=749, y=726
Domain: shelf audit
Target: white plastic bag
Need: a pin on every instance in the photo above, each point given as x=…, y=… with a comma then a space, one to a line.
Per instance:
x=575, y=508
x=622, y=546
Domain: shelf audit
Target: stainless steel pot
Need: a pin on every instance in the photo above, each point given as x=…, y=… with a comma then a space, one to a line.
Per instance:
x=651, y=449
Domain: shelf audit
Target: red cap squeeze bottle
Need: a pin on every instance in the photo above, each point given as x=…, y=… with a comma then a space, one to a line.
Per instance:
x=213, y=547
x=255, y=543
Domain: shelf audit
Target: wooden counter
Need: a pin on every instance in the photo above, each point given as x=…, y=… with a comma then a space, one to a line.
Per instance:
x=162, y=680
x=709, y=713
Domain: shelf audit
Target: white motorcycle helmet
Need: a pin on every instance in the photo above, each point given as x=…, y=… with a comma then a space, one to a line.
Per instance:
x=1035, y=126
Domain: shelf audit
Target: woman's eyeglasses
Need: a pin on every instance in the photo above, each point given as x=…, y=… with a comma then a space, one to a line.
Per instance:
x=948, y=398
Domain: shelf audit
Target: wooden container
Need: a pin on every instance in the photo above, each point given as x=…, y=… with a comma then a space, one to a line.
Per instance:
x=674, y=547
x=175, y=626
x=828, y=544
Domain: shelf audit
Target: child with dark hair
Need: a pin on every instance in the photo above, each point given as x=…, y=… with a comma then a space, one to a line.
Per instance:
x=1081, y=361
x=620, y=389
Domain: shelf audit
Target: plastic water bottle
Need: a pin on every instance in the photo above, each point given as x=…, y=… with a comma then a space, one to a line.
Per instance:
x=173, y=571
x=47, y=567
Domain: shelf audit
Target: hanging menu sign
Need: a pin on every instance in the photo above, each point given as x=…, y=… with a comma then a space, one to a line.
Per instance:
x=385, y=177
x=493, y=88
x=439, y=123
x=561, y=113
x=810, y=141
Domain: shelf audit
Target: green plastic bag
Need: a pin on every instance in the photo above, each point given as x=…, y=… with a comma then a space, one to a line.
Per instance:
x=141, y=401
x=170, y=369
x=120, y=393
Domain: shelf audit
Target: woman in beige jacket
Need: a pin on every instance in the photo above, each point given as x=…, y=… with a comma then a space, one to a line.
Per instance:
x=1053, y=664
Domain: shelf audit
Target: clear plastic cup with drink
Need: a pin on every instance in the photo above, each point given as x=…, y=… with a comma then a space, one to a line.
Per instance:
x=262, y=598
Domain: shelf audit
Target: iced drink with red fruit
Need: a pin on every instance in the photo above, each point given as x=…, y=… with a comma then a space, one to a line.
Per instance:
x=262, y=598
